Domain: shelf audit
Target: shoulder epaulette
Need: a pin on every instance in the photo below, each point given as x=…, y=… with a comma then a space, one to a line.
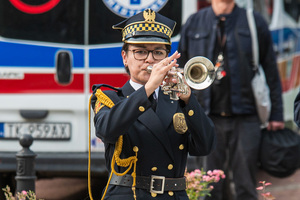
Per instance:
x=102, y=99
x=98, y=86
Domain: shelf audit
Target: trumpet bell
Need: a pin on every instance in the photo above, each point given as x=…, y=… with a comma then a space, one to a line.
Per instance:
x=199, y=73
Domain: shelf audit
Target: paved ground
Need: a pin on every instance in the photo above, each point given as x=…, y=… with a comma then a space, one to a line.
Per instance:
x=60, y=188
x=283, y=188
x=67, y=189
x=76, y=189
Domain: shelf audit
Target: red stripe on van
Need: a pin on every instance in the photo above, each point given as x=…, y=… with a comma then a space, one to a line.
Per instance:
x=41, y=83
x=116, y=80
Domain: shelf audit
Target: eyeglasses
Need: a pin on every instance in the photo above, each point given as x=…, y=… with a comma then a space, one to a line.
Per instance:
x=157, y=54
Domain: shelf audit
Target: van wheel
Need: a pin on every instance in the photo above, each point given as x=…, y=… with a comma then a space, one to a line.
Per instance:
x=7, y=179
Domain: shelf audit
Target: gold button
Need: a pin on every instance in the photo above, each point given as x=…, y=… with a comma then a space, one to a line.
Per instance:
x=170, y=166
x=141, y=108
x=181, y=147
x=154, y=169
x=135, y=149
x=127, y=96
x=191, y=113
x=153, y=194
x=171, y=193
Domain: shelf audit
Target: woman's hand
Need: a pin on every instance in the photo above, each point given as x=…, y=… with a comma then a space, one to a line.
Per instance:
x=185, y=97
x=159, y=72
x=175, y=76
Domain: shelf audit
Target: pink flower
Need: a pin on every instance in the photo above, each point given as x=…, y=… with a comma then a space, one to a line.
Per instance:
x=217, y=179
x=260, y=188
x=217, y=172
x=206, y=178
x=24, y=192
x=266, y=195
x=192, y=174
x=263, y=182
x=209, y=172
x=199, y=181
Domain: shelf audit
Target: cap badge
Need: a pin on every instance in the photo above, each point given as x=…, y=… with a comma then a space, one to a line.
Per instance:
x=149, y=16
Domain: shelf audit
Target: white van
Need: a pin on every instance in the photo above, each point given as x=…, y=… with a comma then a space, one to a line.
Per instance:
x=51, y=54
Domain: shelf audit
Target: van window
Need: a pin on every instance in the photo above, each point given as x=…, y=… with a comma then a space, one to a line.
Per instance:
x=58, y=24
x=61, y=25
x=292, y=7
x=101, y=21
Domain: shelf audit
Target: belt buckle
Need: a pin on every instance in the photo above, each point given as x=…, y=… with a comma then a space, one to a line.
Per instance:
x=163, y=179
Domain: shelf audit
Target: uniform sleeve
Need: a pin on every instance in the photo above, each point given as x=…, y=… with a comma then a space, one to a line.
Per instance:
x=110, y=123
x=202, y=137
x=297, y=110
x=268, y=62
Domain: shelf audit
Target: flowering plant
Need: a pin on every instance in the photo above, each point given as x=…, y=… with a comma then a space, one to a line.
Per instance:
x=264, y=194
x=24, y=195
x=199, y=182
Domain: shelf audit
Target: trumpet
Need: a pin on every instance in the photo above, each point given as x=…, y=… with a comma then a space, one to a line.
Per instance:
x=199, y=73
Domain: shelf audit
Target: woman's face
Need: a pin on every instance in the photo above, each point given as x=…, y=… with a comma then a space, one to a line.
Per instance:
x=138, y=67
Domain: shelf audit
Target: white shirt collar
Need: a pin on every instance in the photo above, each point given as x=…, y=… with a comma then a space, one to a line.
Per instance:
x=137, y=86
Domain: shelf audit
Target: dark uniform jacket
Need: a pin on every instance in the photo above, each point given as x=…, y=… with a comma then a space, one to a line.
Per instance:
x=198, y=38
x=297, y=109
x=162, y=151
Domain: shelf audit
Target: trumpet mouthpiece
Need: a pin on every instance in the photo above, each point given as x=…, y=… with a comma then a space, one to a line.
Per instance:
x=149, y=69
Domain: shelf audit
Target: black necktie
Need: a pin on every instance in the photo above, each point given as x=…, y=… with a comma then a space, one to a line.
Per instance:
x=153, y=101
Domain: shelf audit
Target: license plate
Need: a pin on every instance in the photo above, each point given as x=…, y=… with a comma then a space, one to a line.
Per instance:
x=39, y=131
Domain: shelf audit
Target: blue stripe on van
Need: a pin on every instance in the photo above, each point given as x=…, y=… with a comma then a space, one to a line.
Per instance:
x=107, y=57
x=286, y=39
x=111, y=57
x=1, y=130
x=23, y=55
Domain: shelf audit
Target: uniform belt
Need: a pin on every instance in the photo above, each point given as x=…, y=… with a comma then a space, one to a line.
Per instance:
x=155, y=184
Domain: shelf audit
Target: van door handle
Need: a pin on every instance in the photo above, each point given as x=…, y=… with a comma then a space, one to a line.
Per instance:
x=63, y=67
x=34, y=114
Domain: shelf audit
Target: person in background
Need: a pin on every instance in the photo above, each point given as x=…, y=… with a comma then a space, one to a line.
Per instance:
x=147, y=135
x=221, y=33
x=297, y=110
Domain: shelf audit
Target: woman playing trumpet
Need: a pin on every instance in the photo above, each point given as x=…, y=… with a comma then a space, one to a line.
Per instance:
x=147, y=136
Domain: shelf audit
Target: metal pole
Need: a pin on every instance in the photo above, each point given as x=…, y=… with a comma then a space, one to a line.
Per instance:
x=25, y=178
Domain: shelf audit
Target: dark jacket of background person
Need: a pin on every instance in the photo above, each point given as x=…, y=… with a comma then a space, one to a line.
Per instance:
x=229, y=101
x=297, y=110
x=198, y=38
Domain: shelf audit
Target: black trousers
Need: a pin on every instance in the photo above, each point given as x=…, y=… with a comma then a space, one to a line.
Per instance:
x=237, y=149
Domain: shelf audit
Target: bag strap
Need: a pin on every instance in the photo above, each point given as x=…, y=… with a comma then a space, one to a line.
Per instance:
x=253, y=32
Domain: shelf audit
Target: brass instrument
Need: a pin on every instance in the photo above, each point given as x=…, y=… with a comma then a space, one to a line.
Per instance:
x=199, y=73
